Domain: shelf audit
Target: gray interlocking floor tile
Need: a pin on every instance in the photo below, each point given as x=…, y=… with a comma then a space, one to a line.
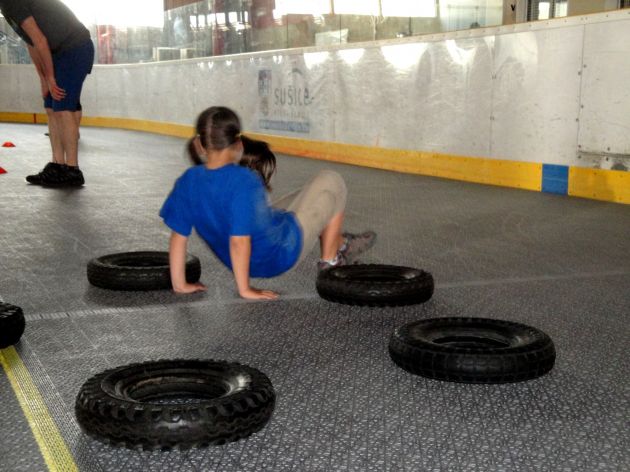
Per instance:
x=556, y=263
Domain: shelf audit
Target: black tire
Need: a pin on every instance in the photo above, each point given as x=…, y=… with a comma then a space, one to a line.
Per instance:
x=472, y=350
x=142, y=271
x=12, y=324
x=375, y=285
x=149, y=405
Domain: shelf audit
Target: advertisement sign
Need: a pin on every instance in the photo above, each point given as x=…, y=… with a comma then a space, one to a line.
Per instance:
x=285, y=100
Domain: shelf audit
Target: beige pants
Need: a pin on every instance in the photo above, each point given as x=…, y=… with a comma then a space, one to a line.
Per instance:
x=315, y=205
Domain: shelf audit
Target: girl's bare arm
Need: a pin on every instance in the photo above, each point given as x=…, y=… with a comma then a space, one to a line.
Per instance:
x=240, y=252
x=177, y=260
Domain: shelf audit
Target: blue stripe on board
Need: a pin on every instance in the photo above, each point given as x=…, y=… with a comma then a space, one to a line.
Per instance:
x=555, y=179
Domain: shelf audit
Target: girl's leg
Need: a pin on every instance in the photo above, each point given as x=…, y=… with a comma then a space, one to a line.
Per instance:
x=330, y=239
x=319, y=208
x=284, y=201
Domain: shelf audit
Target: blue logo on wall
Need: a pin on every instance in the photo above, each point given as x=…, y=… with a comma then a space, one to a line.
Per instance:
x=284, y=105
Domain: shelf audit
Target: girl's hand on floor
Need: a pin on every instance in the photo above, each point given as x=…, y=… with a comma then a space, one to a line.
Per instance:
x=256, y=294
x=190, y=288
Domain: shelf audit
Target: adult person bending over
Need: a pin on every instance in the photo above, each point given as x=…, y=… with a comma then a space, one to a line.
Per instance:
x=62, y=52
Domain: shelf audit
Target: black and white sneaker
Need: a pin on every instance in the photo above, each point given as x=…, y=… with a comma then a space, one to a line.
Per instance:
x=356, y=244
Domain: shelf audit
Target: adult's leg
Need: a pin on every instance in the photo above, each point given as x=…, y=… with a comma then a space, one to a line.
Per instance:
x=55, y=169
x=69, y=134
x=54, y=133
x=78, y=115
x=71, y=69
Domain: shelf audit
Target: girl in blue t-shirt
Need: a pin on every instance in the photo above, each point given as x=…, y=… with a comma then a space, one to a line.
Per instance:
x=226, y=204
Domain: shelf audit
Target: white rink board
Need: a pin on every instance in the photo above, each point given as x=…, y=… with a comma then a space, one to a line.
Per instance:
x=605, y=119
x=535, y=104
x=536, y=92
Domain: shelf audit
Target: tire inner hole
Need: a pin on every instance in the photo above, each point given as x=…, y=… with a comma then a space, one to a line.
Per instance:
x=378, y=276
x=470, y=341
x=142, y=263
x=175, y=390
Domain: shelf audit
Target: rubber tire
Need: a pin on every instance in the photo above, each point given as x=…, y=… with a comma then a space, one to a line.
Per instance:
x=137, y=271
x=106, y=410
x=375, y=285
x=473, y=350
x=12, y=324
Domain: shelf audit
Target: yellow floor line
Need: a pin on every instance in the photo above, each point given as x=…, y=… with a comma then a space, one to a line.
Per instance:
x=52, y=446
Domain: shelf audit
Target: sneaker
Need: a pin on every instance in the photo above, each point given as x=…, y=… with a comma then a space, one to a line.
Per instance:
x=70, y=177
x=339, y=260
x=75, y=177
x=51, y=169
x=356, y=244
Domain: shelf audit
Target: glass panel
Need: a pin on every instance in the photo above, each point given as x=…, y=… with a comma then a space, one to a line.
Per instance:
x=405, y=8
x=150, y=30
x=403, y=18
x=546, y=9
x=354, y=7
x=560, y=9
x=12, y=48
x=465, y=14
x=302, y=7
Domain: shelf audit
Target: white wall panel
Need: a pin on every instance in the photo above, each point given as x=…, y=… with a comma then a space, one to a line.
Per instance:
x=510, y=92
x=452, y=94
x=119, y=92
x=20, y=89
x=605, y=117
x=168, y=91
x=536, y=95
x=29, y=89
x=430, y=96
x=210, y=85
x=362, y=97
x=88, y=95
x=9, y=90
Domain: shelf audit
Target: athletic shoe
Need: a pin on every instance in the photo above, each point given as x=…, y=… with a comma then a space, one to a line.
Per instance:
x=75, y=177
x=339, y=260
x=51, y=170
x=70, y=177
x=356, y=244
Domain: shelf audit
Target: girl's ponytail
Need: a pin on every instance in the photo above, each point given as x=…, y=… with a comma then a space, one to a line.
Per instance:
x=193, y=155
x=259, y=158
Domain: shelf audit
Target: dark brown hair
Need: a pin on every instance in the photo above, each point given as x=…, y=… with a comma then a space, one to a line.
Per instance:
x=217, y=129
x=259, y=158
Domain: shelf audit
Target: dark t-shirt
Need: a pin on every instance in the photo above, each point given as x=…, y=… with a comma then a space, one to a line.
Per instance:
x=60, y=26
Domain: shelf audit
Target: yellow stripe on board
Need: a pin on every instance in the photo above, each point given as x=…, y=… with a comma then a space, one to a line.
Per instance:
x=168, y=129
x=524, y=175
x=156, y=127
x=51, y=444
x=599, y=184
x=607, y=185
x=11, y=117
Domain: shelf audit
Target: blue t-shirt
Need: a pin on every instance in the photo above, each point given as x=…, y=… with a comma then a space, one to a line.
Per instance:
x=231, y=201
